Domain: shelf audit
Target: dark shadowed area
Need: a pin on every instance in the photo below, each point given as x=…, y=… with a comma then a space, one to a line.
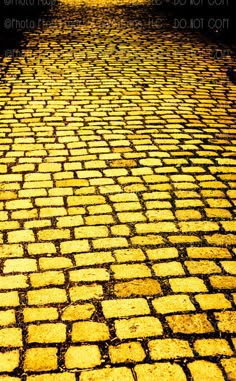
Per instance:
x=19, y=16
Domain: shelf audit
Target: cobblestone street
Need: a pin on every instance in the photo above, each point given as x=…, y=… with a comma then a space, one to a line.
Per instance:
x=117, y=200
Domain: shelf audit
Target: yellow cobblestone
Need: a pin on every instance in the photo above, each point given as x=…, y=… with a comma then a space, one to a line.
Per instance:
x=54, y=263
x=92, y=291
x=173, y=303
x=24, y=214
x=230, y=367
x=40, y=359
x=47, y=278
x=138, y=327
x=212, y=347
x=52, y=377
x=169, y=348
x=125, y=307
x=130, y=271
x=53, y=234
x=11, y=337
x=164, y=371
x=47, y=333
x=41, y=248
x=47, y=296
x=112, y=374
x=91, y=232
x=89, y=331
x=206, y=369
x=84, y=356
x=226, y=321
x=39, y=314
x=20, y=265
x=189, y=324
x=10, y=299
x=14, y=281
x=21, y=236
x=127, y=352
x=74, y=246
x=78, y=312
x=7, y=317
x=9, y=361
x=188, y=284
x=89, y=275
x=108, y=243
x=94, y=258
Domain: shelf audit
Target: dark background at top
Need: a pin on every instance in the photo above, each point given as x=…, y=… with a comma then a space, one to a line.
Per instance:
x=176, y=9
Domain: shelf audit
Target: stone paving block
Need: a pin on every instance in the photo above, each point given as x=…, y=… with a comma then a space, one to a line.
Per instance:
x=146, y=286
x=53, y=234
x=147, y=240
x=51, y=296
x=89, y=331
x=10, y=299
x=161, y=227
x=208, y=252
x=166, y=371
x=7, y=317
x=40, y=314
x=138, y=327
x=229, y=266
x=78, y=312
x=109, y=243
x=195, y=226
x=11, y=337
x=54, y=263
x=213, y=301
x=94, y=258
x=221, y=239
x=125, y=307
x=226, y=321
x=13, y=282
x=74, y=246
x=40, y=359
x=127, y=352
x=41, y=248
x=129, y=255
x=223, y=282
x=188, y=284
x=9, y=361
x=84, y=356
x=173, y=303
x=52, y=377
x=13, y=250
x=229, y=367
x=91, y=232
x=92, y=291
x=168, y=269
x=190, y=324
x=202, y=267
x=130, y=271
x=89, y=275
x=206, y=370
x=21, y=236
x=112, y=374
x=212, y=347
x=24, y=265
x=169, y=348
x=47, y=333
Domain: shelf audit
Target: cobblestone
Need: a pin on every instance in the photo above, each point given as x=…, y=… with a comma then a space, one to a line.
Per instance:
x=117, y=199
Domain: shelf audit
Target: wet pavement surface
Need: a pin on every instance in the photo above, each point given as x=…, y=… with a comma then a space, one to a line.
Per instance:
x=117, y=198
